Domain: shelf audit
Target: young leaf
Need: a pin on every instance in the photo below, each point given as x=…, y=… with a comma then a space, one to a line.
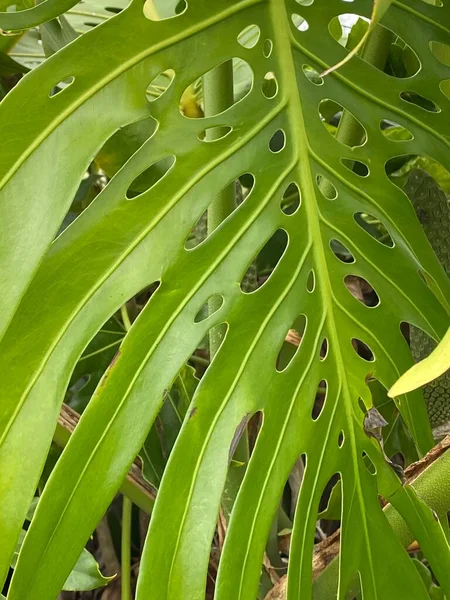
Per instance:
x=428, y=369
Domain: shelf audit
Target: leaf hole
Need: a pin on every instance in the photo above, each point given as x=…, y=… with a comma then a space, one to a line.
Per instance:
x=267, y=48
x=320, y=399
x=441, y=52
x=444, y=86
x=291, y=343
x=210, y=307
x=341, y=252
x=362, y=350
x=436, y=3
x=270, y=85
x=150, y=177
x=275, y=247
x=113, y=9
x=420, y=101
x=300, y=23
x=395, y=132
x=326, y=188
x=61, y=86
x=367, y=462
x=362, y=406
x=356, y=166
x=305, y=2
x=191, y=101
x=349, y=29
x=277, y=142
x=160, y=10
x=311, y=281
x=331, y=112
x=160, y=84
x=291, y=199
x=242, y=187
x=214, y=134
x=249, y=37
x=324, y=349
x=360, y=289
x=331, y=499
x=374, y=228
x=312, y=75
x=341, y=439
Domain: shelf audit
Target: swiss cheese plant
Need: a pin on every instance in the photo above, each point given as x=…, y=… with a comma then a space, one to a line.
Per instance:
x=312, y=154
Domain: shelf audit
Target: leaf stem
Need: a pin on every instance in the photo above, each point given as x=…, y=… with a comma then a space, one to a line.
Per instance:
x=127, y=511
x=217, y=97
x=125, y=582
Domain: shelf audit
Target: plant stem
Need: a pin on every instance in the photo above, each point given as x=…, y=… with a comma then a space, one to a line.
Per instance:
x=217, y=97
x=127, y=509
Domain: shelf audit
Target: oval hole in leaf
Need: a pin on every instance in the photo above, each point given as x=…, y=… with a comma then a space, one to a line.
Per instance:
x=341, y=252
x=290, y=201
x=341, y=439
x=211, y=306
x=267, y=48
x=356, y=166
x=360, y=289
x=324, y=349
x=304, y=2
x=420, y=101
x=331, y=499
x=113, y=9
x=270, y=85
x=311, y=281
x=277, y=142
x=160, y=84
x=330, y=113
x=268, y=257
x=444, y=86
x=160, y=10
x=214, y=134
x=312, y=75
x=441, y=52
x=326, y=188
x=249, y=37
x=320, y=399
x=362, y=406
x=291, y=343
x=349, y=29
x=395, y=132
x=242, y=186
x=61, y=86
x=369, y=464
x=362, y=350
x=192, y=108
x=436, y=3
x=300, y=23
x=150, y=177
x=374, y=228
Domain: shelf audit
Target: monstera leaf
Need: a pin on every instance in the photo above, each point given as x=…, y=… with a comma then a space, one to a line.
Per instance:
x=57, y=293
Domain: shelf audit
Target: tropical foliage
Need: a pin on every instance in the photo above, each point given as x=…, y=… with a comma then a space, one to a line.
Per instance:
x=206, y=250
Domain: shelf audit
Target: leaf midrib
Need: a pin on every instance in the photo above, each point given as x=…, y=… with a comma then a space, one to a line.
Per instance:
x=284, y=44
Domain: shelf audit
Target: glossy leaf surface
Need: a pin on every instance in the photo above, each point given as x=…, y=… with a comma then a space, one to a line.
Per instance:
x=123, y=242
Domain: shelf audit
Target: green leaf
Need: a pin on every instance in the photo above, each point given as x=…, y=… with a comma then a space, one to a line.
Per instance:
x=68, y=287
x=44, y=11
x=86, y=575
x=426, y=370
